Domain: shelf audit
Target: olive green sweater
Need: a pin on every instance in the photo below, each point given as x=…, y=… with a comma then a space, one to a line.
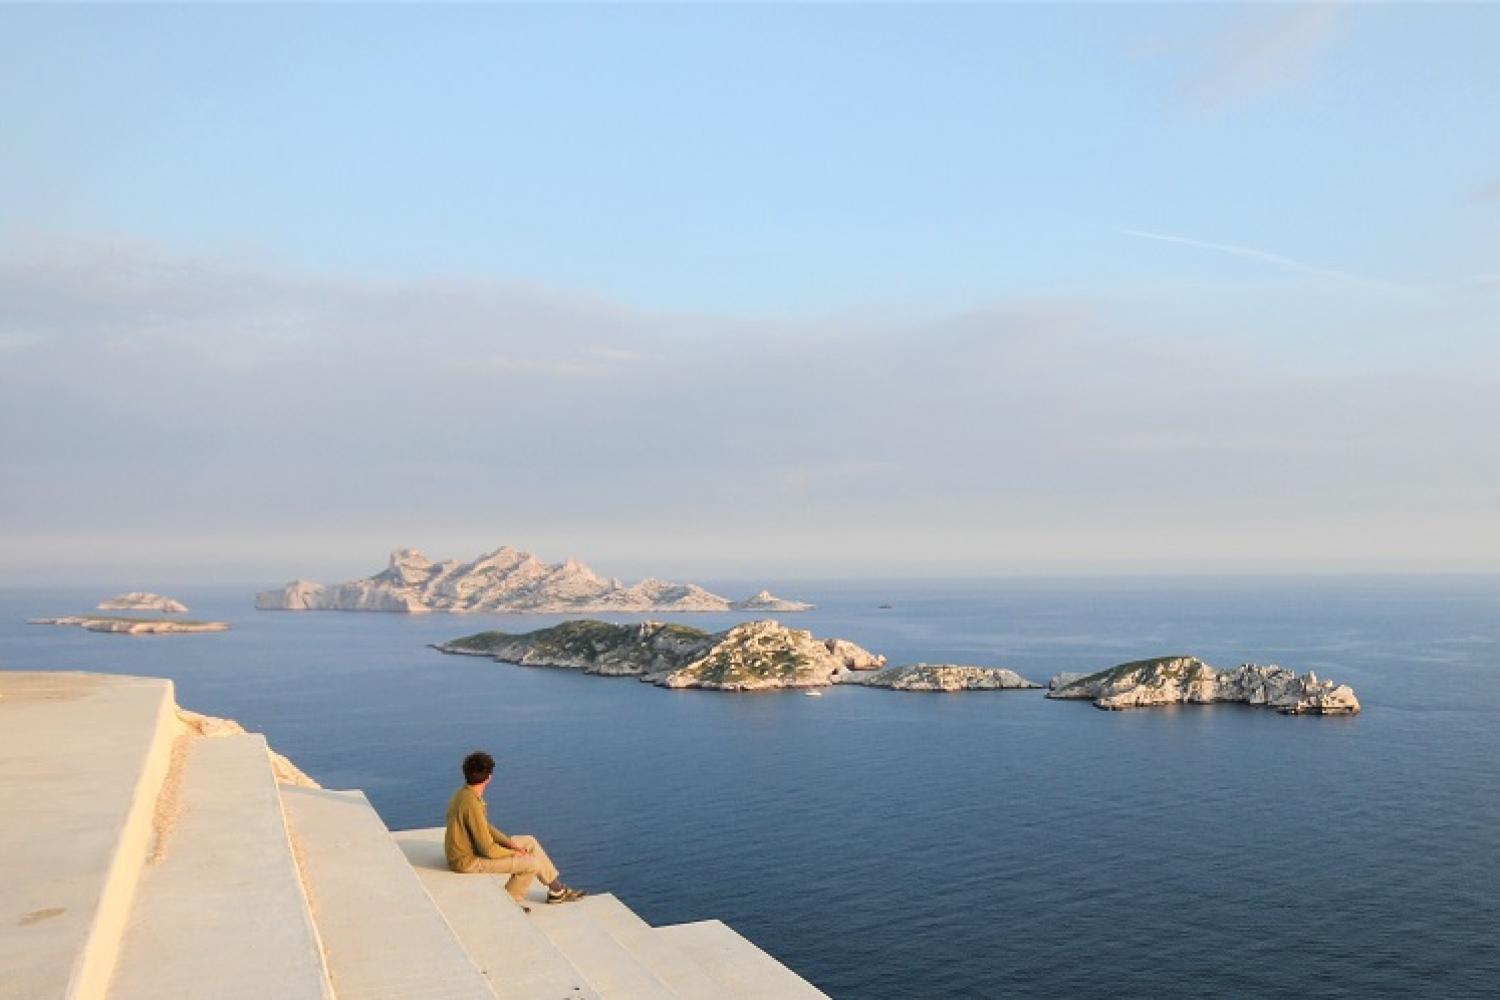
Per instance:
x=469, y=834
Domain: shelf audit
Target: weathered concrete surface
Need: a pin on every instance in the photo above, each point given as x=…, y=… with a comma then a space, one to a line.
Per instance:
x=383, y=935
x=683, y=976
x=81, y=759
x=607, y=964
x=517, y=959
x=738, y=967
x=222, y=913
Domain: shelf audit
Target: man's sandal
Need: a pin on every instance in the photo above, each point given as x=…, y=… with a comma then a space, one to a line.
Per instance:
x=568, y=895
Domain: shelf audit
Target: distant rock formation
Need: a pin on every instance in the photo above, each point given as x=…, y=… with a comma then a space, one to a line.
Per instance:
x=946, y=677
x=504, y=580
x=1174, y=680
x=142, y=600
x=767, y=601
x=132, y=626
x=766, y=654
x=750, y=657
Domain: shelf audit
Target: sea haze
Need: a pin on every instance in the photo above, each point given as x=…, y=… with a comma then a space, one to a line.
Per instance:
x=985, y=844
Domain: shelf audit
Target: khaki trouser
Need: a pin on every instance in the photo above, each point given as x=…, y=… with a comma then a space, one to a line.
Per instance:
x=521, y=868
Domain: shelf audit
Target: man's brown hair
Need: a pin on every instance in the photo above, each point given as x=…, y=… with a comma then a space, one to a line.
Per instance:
x=478, y=766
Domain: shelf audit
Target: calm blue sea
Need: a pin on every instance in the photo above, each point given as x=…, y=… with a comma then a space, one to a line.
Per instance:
x=994, y=844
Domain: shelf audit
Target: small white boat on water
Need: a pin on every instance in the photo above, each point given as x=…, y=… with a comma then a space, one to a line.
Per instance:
x=813, y=694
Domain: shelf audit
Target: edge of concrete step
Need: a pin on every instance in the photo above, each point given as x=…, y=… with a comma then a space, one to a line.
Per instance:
x=223, y=911
x=683, y=975
x=82, y=901
x=383, y=934
x=607, y=963
x=740, y=968
x=517, y=959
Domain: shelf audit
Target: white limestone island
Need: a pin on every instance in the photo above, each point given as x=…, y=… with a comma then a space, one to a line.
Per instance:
x=506, y=580
x=1175, y=680
x=142, y=600
x=753, y=656
x=132, y=626
x=947, y=677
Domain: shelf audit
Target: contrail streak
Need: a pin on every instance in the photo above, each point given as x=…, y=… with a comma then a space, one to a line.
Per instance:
x=1269, y=258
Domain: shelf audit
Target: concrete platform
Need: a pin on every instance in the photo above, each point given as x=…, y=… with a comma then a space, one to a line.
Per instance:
x=517, y=959
x=81, y=759
x=383, y=935
x=222, y=914
x=738, y=967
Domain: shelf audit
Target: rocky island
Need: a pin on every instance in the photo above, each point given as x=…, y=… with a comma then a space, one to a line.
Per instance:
x=754, y=656
x=131, y=626
x=506, y=580
x=1177, y=680
x=945, y=677
x=141, y=600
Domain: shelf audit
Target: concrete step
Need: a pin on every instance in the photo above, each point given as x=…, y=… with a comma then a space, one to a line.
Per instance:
x=222, y=912
x=82, y=758
x=740, y=969
x=679, y=970
x=383, y=935
x=517, y=959
x=605, y=962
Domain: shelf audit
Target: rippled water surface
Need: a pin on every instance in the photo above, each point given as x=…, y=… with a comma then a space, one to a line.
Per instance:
x=986, y=844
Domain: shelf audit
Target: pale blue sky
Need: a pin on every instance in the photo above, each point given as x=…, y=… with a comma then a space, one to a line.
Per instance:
x=924, y=214
x=761, y=158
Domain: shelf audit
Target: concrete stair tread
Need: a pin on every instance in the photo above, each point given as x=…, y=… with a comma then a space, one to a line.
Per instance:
x=383, y=935
x=737, y=966
x=678, y=969
x=610, y=967
x=517, y=958
x=222, y=913
x=82, y=757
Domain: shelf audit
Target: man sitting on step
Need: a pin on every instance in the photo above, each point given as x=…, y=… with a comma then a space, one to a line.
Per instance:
x=475, y=847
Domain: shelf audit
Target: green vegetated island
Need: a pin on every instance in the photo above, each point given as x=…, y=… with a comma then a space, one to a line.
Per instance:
x=764, y=655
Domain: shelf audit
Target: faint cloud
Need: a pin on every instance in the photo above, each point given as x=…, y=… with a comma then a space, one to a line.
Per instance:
x=594, y=363
x=1266, y=51
x=18, y=340
x=1288, y=263
x=618, y=355
x=803, y=477
x=365, y=412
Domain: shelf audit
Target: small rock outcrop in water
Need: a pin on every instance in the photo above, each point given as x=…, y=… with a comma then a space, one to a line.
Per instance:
x=947, y=677
x=1174, y=680
x=503, y=580
x=141, y=600
x=131, y=626
x=753, y=656
x=767, y=601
